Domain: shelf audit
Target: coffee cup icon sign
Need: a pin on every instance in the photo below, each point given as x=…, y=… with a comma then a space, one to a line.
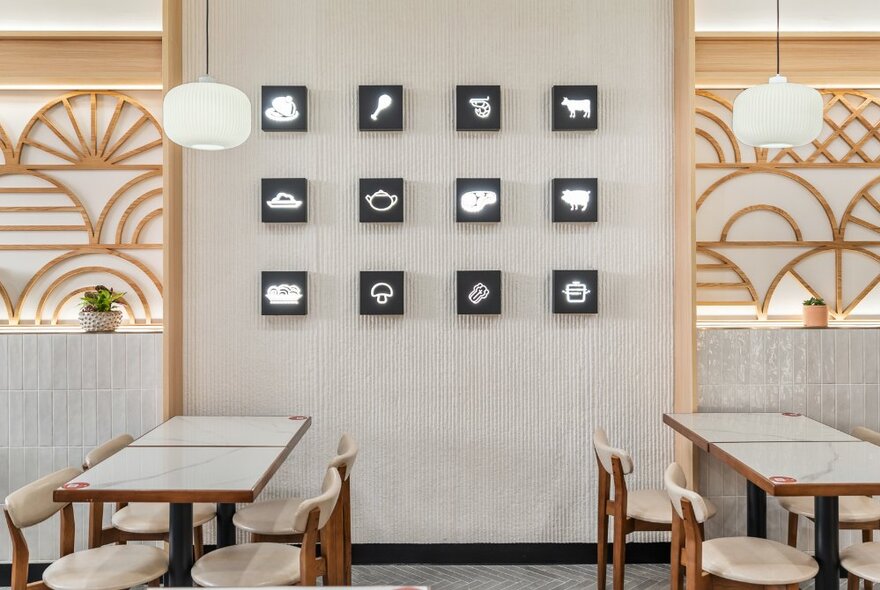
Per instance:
x=381, y=201
x=576, y=292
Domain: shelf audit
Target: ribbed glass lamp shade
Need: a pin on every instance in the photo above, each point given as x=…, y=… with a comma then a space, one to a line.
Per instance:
x=777, y=115
x=205, y=115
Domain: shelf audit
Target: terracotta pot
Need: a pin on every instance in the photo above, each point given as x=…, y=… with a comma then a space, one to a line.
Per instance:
x=100, y=321
x=815, y=316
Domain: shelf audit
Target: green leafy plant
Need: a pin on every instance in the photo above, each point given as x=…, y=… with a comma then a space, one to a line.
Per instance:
x=814, y=301
x=101, y=299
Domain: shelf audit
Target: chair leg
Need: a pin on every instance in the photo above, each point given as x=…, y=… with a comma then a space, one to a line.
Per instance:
x=852, y=582
x=602, y=551
x=792, y=529
x=867, y=537
x=675, y=555
x=619, y=556
x=198, y=542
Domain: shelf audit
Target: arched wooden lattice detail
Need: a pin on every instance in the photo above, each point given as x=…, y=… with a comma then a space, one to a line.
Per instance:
x=7, y=149
x=85, y=144
x=723, y=264
x=839, y=309
x=77, y=293
x=119, y=194
x=54, y=187
x=29, y=287
x=798, y=235
x=86, y=270
x=7, y=303
x=862, y=195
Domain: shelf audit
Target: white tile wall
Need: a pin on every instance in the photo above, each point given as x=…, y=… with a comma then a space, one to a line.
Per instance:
x=830, y=375
x=62, y=394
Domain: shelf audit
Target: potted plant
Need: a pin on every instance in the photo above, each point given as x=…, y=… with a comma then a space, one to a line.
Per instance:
x=815, y=313
x=99, y=311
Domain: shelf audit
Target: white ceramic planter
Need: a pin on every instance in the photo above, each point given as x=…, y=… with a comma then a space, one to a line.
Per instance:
x=100, y=321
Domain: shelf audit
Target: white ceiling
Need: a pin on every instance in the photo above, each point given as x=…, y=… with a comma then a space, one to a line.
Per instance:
x=795, y=15
x=711, y=15
x=80, y=15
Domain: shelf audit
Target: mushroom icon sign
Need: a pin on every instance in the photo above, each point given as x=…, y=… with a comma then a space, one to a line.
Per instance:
x=381, y=292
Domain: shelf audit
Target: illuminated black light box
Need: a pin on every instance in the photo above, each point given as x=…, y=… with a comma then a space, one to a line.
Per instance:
x=381, y=292
x=576, y=291
x=380, y=200
x=478, y=292
x=284, y=108
x=575, y=200
x=575, y=108
x=380, y=108
x=478, y=200
x=284, y=200
x=284, y=292
x=478, y=108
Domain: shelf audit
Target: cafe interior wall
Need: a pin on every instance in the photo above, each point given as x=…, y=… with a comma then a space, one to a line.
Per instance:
x=473, y=429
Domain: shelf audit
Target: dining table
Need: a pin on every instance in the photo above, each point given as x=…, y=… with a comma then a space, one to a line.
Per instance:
x=788, y=454
x=188, y=459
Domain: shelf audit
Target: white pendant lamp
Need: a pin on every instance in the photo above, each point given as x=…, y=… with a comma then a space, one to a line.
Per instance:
x=777, y=114
x=206, y=115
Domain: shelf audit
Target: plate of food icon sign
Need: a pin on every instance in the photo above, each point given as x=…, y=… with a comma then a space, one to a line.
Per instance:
x=284, y=200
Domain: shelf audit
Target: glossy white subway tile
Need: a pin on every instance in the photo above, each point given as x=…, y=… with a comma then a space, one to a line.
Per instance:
x=132, y=361
x=14, y=365
x=89, y=417
x=74, y=360
x=74, y=418
x=31, y=418
x=29, y=362
x=89, y=346
x=104, y=360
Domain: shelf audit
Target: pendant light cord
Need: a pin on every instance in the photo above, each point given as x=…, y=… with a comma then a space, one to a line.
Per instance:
x=208, y=37
x=777, y=37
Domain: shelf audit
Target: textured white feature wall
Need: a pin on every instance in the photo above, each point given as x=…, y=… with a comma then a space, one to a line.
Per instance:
x=473, y=429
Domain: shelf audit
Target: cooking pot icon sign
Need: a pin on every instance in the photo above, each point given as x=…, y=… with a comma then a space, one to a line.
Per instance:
x=381, y=292
x=576, y=292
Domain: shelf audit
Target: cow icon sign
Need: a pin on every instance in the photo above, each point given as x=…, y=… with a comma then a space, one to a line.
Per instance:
x=575, y=108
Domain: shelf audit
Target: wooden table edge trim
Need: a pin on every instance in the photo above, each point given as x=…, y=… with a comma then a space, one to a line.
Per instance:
x=797, y=488
x=162, y=496
x=136, y=443
x=686, y=432
x=282, y=457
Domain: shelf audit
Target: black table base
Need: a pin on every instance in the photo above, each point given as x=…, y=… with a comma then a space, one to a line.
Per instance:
x=225, y=528
x=180, y=545
x=827, y=543
x=756, y=507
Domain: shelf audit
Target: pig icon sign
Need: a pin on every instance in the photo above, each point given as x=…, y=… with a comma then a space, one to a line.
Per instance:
x=576, y=199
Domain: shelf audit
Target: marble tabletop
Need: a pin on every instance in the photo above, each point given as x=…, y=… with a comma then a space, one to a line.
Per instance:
x=226, y=431
x=806, y=468
x=177, y=474
x=705, y=428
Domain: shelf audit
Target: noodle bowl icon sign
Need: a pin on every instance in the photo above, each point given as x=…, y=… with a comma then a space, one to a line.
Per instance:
x=284, y=294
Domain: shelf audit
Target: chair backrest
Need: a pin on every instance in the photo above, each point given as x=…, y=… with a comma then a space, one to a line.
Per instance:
x=106, y=450
x=346, y=454
x=676, y=487
x=33, y=503
x=606, y=452
x=325, y=502
x=866, y=434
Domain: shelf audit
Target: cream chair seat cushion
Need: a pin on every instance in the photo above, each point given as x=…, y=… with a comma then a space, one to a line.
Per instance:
x=851, y=508
x=757, y=561
x=252, y=565
x=152, y=517
x=274, y=517
x=113, y=567
x=654, y=506
x=862, y=560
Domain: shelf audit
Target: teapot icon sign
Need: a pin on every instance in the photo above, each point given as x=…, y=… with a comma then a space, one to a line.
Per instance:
x=381, y=201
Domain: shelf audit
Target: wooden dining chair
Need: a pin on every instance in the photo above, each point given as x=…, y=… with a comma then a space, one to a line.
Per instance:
x=632, y=510
x=143, y=521
x=272, y=521
x=862, y=562
x=861, y=513
x=113, y=567
x=275, y=564
x=731, y=562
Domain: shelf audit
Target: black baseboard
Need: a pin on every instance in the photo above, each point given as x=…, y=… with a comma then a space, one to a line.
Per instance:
x=460, y=554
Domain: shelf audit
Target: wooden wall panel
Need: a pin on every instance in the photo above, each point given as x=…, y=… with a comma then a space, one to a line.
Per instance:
x=90, y=60
x=737, y=60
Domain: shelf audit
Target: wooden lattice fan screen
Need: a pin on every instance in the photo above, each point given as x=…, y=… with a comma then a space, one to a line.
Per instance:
x=81, y=204
x=804, y=220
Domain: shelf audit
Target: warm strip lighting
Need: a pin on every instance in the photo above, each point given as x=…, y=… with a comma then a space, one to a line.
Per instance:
x=75, y=329
x=80, y=87
x=795, y=323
